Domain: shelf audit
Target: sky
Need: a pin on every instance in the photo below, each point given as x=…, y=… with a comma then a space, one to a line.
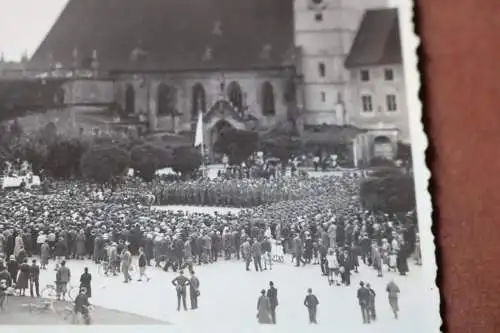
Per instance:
x=25, y=23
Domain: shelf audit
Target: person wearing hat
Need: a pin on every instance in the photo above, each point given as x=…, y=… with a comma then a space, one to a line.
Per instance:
x=311, y=302
x=264, y=309
x=194, y=290
x=180, y=283
x=272, y=294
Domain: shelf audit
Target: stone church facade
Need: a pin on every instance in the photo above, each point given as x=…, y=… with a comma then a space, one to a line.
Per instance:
x=248, y=64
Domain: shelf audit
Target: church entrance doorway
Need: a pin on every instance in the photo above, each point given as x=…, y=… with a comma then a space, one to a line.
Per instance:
x=383, y=148
x=217, y=140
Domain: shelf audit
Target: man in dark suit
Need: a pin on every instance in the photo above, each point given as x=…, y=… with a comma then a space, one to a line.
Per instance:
x=272, y=294
x=194, y=290
x=364, y=299
x=34, y=279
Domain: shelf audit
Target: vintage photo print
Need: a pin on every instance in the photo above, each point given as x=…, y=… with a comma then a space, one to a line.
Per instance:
x=213, y=166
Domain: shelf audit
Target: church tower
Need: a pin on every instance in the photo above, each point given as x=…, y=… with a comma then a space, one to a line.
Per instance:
x=324, y=31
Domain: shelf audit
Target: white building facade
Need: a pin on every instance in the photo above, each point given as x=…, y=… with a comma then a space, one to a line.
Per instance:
x=324, y=31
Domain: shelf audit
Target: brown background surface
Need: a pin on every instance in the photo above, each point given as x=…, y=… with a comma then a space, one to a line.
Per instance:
x=460, y=57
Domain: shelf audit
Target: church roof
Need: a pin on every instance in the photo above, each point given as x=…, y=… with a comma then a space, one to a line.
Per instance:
x=377, y=41
x=170, y=35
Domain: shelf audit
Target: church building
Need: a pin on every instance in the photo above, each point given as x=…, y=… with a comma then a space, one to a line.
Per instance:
x=251, y=64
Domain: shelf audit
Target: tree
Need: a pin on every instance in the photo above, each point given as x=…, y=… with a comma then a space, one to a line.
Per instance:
x=391, y=194
x=63, y=157
x=186, y=160
x=146, y=159
x=102, y=164
x=282, y=147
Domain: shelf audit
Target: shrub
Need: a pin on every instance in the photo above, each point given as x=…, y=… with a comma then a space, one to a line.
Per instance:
x=394, y=194
x=186, y=160
x=148, y=158
x=102, y=164
x=381, y=162
x=282, y=147
x=63, y=158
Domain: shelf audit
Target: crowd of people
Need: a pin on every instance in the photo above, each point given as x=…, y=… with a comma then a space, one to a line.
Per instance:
x=315, y=220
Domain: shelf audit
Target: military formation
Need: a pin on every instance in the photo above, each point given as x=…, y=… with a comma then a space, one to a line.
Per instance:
x=249, y=192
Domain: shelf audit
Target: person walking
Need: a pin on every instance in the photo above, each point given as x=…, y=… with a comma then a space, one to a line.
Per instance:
x=86, y=281
x=143, y=262
x=194, y=290
x=363, y=299
x=63, y=276
x=393, y=294
x=34, y=279
x=272, y=294
x=246, y=253
x=257, y=255
x=180, y=283
x=371, y=302
x=264, y=309
x=23, y=278
x=311, y=302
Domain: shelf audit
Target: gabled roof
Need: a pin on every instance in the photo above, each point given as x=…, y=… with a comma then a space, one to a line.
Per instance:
x=377, y=41
x=171, y=34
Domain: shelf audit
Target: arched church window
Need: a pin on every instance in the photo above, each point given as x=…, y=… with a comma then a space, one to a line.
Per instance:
x=268, y=102
x=129, y=100
x=235, y=95
x=167, y=100
x=198, y=102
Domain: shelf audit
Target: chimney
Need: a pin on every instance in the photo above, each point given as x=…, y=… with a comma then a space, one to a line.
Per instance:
x=95, y=62
x=75, y=58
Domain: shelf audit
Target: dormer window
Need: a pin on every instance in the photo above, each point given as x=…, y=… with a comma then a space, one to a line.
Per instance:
x=265, y=53
x=208, y=54
x=217, y=28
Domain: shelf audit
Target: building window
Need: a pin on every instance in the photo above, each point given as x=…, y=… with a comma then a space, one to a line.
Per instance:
x=322, y=69
x=235, y=95
x=391, y=102
x=167, y=100
x=323, y=96
x=389, y=74
x=318, y=17
x=268, y=104
x=198, y=101
x=129, y=100
x=366, y=100
x=365, y=75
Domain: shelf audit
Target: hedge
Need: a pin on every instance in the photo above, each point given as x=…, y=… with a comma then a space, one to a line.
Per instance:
x=392, y=194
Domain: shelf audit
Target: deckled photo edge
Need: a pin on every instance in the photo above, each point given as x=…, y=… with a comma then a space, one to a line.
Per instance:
x=420, y=142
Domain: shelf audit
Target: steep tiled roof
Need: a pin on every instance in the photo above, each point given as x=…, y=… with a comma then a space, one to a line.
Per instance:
x=377, y=41
x=171, y=34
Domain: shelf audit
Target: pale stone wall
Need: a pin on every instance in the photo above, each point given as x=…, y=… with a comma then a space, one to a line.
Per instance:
x=378, y=88
x=326, y=41
x=249, y=82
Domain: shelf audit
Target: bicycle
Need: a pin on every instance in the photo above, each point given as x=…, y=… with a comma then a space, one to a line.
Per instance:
x=278, y=258
x=50, y=291
x=45, y=307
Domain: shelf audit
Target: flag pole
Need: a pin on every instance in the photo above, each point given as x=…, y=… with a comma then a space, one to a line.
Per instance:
x=199, y=141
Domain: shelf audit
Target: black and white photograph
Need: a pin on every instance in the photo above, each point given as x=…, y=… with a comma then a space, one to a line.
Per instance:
x=213, y=166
